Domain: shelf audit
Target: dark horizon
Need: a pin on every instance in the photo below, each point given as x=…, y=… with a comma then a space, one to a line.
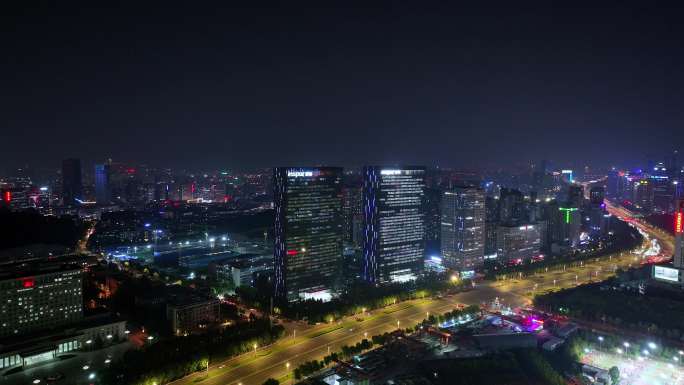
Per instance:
x=446, y=85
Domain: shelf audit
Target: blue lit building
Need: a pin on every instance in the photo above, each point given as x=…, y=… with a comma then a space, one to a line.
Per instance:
x=394, y=223
x=103, y=188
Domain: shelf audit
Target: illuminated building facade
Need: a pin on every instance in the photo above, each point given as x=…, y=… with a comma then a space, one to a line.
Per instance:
x=463, y=228
x=679, y=235
x=103, y=188
x=642, y=194
x=39, y=301
x=308, y=231
x=570, y=226
x=394, y=223
x=517, y=244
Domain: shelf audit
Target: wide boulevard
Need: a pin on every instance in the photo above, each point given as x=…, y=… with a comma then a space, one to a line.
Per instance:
x=303, y=342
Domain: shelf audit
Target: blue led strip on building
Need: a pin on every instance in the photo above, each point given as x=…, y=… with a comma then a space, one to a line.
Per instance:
x=370, y=231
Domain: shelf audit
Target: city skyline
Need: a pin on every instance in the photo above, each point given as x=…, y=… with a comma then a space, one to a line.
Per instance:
x=295, y=193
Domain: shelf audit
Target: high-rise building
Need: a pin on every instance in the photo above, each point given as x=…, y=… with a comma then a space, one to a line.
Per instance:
x=511, y=206
x=72, y=185
x=463, y=228
x=539, y=176
x=308, y=231
x=517, y=244
x=663, y=191
x=678, y=259
x=433, y=219
x=643, y=194
x=103, y=188
x=351, y=207
x=394, y=223
x=596, y=212
x=613, y=184
x=570, y=225
x=596, y=195
x=576, y=195
x=40, y=300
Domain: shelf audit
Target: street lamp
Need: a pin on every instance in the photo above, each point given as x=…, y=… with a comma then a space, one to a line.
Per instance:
x=625, y=344
x=255, y=349
x=397, y=324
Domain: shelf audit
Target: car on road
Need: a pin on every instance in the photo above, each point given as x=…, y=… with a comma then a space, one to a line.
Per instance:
x=54, y=377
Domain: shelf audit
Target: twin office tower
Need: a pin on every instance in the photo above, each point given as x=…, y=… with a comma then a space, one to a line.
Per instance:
x=309, y=228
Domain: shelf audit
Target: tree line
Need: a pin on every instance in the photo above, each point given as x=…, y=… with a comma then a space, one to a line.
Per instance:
x=176, y=357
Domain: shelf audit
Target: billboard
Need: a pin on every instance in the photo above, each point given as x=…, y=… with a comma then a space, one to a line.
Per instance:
x=668, y=274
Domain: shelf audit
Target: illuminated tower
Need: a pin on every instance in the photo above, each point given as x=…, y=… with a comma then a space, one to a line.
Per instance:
x=678, y=259
x=463, y=228
x=308, y=231
x=570, y=226
x=394, y=223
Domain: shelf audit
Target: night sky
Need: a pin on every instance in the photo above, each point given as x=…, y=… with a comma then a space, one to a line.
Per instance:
x=439, y=84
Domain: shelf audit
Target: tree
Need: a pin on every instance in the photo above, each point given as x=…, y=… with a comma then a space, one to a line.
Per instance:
x=614, y=374
x=271, y=381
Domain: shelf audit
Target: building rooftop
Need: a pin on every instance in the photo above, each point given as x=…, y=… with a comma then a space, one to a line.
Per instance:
x=50, y=336
x=42, y=267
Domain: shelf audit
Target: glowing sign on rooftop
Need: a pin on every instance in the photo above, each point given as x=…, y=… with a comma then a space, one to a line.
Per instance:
x=390, y=172
x=568, y=173
x=299, y=173
x=567, y=212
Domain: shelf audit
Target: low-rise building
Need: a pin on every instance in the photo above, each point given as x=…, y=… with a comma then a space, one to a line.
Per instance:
x=246, y=271
x=192, y=313
x=25, y=351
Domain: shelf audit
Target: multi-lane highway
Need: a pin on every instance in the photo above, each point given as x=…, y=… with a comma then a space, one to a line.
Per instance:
x=596, y=269
x=314, y=342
